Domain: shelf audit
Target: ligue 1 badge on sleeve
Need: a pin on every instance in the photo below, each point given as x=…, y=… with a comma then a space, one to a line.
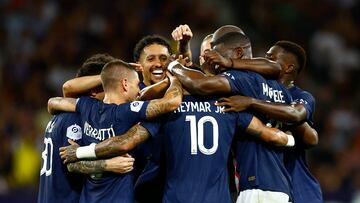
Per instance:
x=74, y=132
x=136, y=106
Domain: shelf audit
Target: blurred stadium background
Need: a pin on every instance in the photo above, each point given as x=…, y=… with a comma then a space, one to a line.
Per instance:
x=42, y=43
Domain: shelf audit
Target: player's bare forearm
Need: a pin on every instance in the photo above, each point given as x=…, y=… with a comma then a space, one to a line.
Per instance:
x=198, y=83
x=58, y=104
x=262, y=66
x=171, y=100
x=154, y=91
x=119, y=145
x=77, y=86
x=282, y=112
x=184, y=49
x=271, y=136
x=307, y=135
x=87, y=167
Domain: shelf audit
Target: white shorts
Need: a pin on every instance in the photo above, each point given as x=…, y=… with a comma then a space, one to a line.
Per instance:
x=259, y=196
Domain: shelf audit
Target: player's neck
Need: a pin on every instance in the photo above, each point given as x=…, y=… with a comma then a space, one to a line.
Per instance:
x=111, y=98
x=288, y=82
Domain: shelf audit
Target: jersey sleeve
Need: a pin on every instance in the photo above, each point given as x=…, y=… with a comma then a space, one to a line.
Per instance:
x=309, y=103
x=82, y=103
x=133, y=112
x=244, y=119
x=153, y=127
x=71, y=129
x=239, y=81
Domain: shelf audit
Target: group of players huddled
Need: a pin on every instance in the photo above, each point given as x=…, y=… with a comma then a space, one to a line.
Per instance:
x=232, y=129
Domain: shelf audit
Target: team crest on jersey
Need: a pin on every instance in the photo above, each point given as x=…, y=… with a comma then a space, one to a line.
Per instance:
x=136, y=106
x=74, y=132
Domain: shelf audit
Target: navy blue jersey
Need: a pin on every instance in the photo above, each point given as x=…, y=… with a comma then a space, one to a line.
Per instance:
x=260, y=165
x=197, y=140
x=56, y=183
x=306, y=188
x=101, y=121
x=148, y=168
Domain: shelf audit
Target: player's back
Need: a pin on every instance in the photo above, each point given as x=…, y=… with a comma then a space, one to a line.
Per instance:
x=261, y=166
x=56, y=183
x=102, y=121
x=197, y=141
x=306, y=187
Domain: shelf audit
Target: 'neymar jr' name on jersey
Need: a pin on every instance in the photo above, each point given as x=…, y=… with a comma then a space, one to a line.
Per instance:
x=273, y=94
x=99, y=134
x=192, y=106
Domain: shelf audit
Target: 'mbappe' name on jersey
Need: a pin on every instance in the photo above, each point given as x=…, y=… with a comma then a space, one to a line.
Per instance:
x=99, y=134
x=273, y=94
x=198, y=107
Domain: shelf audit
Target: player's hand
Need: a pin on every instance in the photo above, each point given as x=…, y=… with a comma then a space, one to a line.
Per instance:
x=213, y=57
x=184, y=61
x=120, y=164
x=68, y=153
x=235, y=103
x=182, y=33
x=137, y=67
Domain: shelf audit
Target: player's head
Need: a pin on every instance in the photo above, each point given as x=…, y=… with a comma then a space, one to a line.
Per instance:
x=232, y=45
x=153, y=53
x=226, y=29
x=118, y=77
x=291, y=57
x=205, y=45
x=93, y=66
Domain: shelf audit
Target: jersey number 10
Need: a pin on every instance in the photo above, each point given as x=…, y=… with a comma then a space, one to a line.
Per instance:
x=197, y=134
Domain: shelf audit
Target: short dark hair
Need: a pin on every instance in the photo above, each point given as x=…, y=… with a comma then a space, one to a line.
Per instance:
x=233, y=39
x=149, y=40
x=114, y=71
x=94, y=64
x=296, y=50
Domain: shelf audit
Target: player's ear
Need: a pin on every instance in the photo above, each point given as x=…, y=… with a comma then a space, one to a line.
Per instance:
x=125, y=85
x=238, y=52
x=290, y=68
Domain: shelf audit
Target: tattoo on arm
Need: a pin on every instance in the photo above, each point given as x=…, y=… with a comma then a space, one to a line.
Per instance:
x=119, y=145
x=166, y=104
x=87, y=167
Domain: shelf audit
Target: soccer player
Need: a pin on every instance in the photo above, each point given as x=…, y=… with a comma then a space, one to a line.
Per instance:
x=114, y=116
x=255, y=179
x=197, y=137
x=292, y=59
x=56, y=183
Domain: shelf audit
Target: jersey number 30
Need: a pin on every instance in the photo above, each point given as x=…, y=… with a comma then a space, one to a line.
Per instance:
x=47, y=155
x=197, y=134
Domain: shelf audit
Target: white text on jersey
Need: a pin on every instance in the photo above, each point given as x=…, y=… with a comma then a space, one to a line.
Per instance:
x=99, y=134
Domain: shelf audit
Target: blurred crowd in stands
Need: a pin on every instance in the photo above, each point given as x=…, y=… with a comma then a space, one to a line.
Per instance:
x=43, y=42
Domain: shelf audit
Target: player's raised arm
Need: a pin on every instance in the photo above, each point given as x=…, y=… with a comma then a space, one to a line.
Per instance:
x=57, y=104
x=262, y=66
x=198, y=83
x=294, y=113
x=80, y=85
x=271, y=136
x=171, y=100
x=183, y=34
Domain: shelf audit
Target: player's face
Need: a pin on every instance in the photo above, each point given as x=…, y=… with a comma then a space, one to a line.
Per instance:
x=205, y=45
x=154, y=59
x=276, y=54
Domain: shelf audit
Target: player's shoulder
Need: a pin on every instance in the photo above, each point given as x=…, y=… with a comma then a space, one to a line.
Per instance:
x=297, y=92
